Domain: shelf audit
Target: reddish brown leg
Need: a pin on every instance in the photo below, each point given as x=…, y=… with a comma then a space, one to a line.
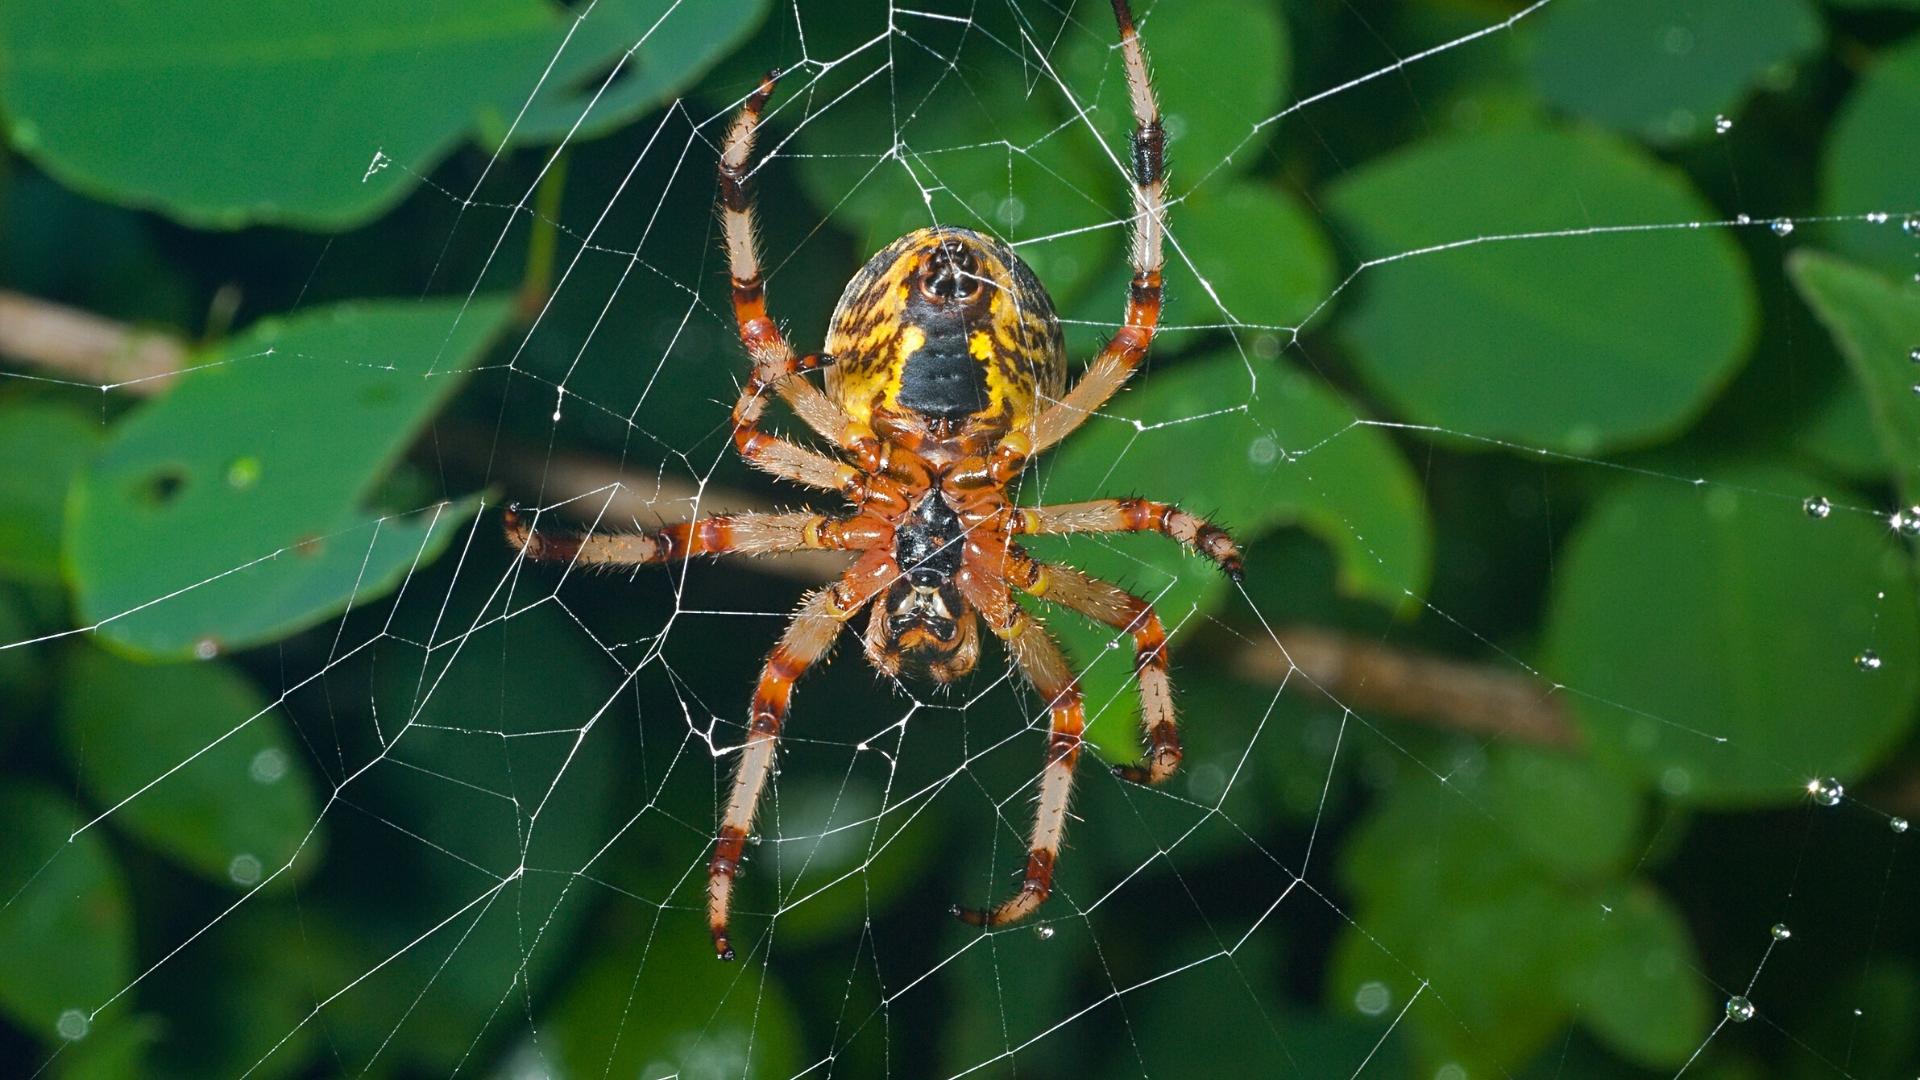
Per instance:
x=721, y=534
x=1128, y=346
x=806, y=642
x=1132, y=515
x=1040, y=660
x=1120, y=609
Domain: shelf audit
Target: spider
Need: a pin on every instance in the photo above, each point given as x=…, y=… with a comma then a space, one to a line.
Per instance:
x=944, y=376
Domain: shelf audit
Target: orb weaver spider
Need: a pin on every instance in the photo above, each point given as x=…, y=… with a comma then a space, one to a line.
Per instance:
x=944, y=375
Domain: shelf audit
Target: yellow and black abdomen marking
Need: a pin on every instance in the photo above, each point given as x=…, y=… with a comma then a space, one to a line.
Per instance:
x=948, y=324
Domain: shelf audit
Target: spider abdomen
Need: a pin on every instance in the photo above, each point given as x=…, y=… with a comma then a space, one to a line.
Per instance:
x=949, y=326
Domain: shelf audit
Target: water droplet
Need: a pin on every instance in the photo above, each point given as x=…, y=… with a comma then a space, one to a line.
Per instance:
x=1739, y=1009
x=1909, y=522
x=1898, y=824
x=1781, y=227
x=244, y=870
x=1722, y=124
x=1044, y=933
x=1911, y=226
x=206, y=649
x=1817, y=507
x=1742, y=219
x=72, y=1025
x=1780, y=932
x=1878, y=217
x=268, y=766
x=1868, y=660
x=1373, y=998
x=1826, y=791
x=1913, y=354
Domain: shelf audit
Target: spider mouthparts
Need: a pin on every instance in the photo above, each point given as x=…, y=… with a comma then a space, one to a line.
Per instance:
x=723, y=951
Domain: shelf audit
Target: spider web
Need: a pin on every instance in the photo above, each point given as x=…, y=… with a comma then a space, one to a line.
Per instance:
x=538, y=846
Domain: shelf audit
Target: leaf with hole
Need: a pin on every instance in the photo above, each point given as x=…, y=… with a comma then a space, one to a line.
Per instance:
x=233, y=511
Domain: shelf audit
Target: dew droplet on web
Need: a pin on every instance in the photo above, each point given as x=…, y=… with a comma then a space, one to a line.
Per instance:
x=1910, y=226
x=1780, y=932
x=1878, y=217
x=1898, y=825
x=1826, y=791
x=1044, y=933
x=1817, y=507
x=1868, y=660
x=244, y=869
x=1722, y=124
x=1739, y=1009
x=1372, y=998
x=1906, y=523
x=1743, y=219
x=72, y=1025
x=1781, y=227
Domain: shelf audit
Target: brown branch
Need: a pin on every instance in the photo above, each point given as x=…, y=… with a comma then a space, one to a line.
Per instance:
x=1474, y=699
x=83, y=347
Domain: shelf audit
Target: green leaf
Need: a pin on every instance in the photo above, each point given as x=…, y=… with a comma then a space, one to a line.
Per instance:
x=1252, y=456
x=42, y=446
x=1564, y=813
x=229, y=114
x=232, y=512
x=1634, y=984
x=1582, y=343
x=240, y=806
x=66, y=938
x=1259, y=251
x=1877, y=326
x=1710, y=637
x=1660, y=70
x=1839, y=434
x=1872, y=156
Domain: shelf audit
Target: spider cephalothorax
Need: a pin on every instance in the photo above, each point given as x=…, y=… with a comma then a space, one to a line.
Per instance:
x=945, y=375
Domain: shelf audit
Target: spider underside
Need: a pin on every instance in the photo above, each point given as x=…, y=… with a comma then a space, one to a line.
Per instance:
x=945, y=375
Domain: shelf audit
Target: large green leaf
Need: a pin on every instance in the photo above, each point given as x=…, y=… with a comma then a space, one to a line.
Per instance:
x=1250, y=251
x=66, y=935
x=1877, y=325
x=1579, y=343
x=1661, y=70
x=1454, y=890
x=1253, y=456
x=42, y=446
x=1709, y=637
x=232, y=511
x=226, y=114
x=238, y=808
x=1873, y=154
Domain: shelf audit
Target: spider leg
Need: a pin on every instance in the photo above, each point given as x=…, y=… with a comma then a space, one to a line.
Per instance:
x=774, y=360
x=720, y=534
x=1040, y=660
x=808, y=639
x=1132, y=515
x=1128, y=346
x=1107, y=603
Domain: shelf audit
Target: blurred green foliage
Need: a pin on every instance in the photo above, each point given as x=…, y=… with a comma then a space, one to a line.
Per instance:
x=1522, y=354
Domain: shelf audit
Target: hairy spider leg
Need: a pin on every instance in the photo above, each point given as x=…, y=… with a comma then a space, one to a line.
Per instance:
x=1133, y=515
x=774, y=359
x=807, y=640
x=1123, y=352
x=719, y=534
x=1041, y=661
x=1106, y=603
